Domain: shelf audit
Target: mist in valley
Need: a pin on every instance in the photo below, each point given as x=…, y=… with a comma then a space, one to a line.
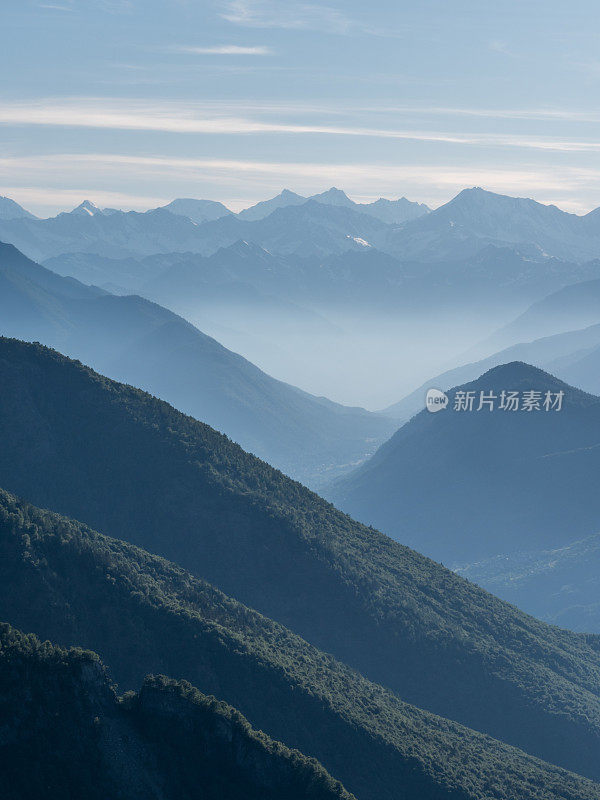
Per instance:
x=356, y=357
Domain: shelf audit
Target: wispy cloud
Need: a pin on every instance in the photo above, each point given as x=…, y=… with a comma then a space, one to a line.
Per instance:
x=109, y=6
x=287, y=14
x=543, y=114
x=185, y=119
x=222, y=50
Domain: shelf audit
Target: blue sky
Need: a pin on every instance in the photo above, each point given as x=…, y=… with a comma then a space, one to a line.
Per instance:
x=134, y=102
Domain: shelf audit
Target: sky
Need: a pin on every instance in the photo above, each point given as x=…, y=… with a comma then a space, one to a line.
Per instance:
x=131, y=103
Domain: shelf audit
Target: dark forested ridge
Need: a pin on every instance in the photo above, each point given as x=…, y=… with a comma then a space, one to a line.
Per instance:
x=70, y=584
x=66, y=734
x=132, y=466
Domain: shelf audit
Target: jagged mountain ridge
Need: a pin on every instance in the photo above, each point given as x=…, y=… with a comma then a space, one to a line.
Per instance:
x=476, y=217
x=457, y=230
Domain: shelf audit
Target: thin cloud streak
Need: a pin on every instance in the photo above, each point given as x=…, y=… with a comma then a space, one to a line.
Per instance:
x=541, y=114
x=287, y=15
x=223, y=50
x=125, y=116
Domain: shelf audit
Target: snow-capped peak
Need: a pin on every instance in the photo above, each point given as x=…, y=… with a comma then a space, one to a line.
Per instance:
x=87, y=207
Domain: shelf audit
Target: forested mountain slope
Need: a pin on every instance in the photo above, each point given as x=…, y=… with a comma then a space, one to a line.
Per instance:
x=141, y=613
x=133, y=467
x=66, y=734
x=462, y=485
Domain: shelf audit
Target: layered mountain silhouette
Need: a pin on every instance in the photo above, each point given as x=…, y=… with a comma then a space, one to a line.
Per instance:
x=132, y=466
x=361, y=278
x=311, y=228
x=460, y=229
x=465, y=485
x=66, y=582
x=321, y=253
x=243, y=272
x=60, y=713
x=573, y=307
x=115, y=235
x=564, y=355
x=141, y=343
x=478, y=248
x=583, y=367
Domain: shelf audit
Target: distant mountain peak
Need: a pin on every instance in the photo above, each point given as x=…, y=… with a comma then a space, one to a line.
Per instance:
x=515, y=369
x=474, y=195
x=9, y=209
x=395, y=211
x=514, y=374
x=333, y=197
x=261, y=210
x=198, y=211
x=477, y=197
x=244, y=248
x=87, y=208
x=288, y=194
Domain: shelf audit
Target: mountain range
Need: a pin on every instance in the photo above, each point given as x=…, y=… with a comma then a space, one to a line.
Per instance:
x=476, y=217
x=391, y=211
x=464, y=485
x=332, y=649
x=322, y=224
x=137, y=341
x=329, y=222
x=133, y=467
x=480, y=250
